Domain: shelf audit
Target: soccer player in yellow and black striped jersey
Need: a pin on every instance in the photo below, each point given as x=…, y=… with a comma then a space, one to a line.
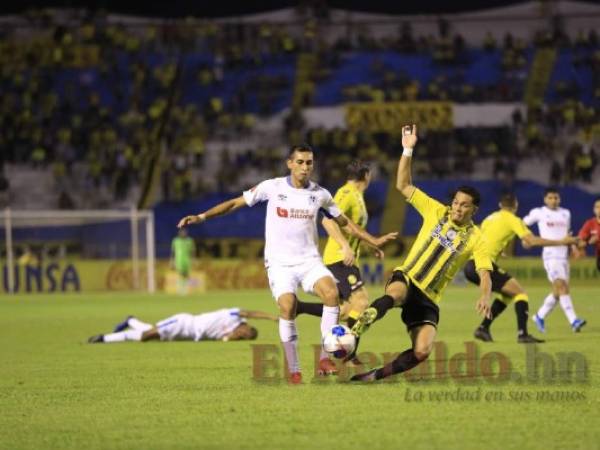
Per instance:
x=351, y=202
x=447, y=240
x=500, y=228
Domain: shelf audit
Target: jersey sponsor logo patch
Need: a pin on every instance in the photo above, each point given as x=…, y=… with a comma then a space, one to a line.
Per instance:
x=294, y=213
x=282, y=212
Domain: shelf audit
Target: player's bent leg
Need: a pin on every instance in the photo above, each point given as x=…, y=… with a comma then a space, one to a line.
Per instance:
x=395, y=293
x=517, y=294
x=326, y=289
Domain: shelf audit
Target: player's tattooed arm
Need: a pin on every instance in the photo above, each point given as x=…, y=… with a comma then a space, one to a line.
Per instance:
x=225, y=207
x=333, y=230
x=531, y=240
x=356, y=231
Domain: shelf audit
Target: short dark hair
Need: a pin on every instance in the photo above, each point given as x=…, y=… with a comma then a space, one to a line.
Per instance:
x=550, y=190
x=508, y=200
x=299, y=148
x=357, y=170
x=253, y=333
x=470, y=191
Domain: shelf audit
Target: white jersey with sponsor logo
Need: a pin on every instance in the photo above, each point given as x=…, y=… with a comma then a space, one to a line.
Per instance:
x=217, y=324
x=552, y=224
x=291, y=223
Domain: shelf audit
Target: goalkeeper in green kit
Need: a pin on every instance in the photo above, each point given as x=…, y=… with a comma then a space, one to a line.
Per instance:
x=182, y=251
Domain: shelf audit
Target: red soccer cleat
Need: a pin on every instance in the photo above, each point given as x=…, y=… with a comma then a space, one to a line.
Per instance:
x=295, y=378
x=327, y=367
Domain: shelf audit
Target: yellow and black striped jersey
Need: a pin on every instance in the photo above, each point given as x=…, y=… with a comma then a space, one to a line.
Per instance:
x=442, y=247
x=499, y=228
x=351, y=203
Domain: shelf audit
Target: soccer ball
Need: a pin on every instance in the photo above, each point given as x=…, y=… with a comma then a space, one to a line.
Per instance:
x=339, y=342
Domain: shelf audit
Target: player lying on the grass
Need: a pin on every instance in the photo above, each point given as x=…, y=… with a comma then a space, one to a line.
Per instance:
x=447, y=239
x=590, y=234
x=499, y=229
x=292, y=256
x=554, y=222
x=221, y=325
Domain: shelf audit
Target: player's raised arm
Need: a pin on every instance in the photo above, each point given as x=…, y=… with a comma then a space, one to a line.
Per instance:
x=404, y=176
x=225, y=207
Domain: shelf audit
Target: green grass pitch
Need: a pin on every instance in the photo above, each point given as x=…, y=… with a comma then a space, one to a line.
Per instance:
x=58, y=392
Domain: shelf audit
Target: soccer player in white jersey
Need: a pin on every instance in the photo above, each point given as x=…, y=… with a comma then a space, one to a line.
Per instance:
x=554, y=223
x=291, y=246
x=221, y=325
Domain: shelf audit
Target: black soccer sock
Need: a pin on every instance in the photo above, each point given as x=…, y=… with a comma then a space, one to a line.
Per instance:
x=522, y=311
x=497, y=307
x=314, y=309
x=405, y=361
x=382, y=304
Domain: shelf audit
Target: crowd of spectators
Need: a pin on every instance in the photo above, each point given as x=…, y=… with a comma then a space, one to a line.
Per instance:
x=110, y=101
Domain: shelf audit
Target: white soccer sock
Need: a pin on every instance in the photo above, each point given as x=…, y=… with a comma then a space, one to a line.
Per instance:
x=129, y=335
x=329, y=318
x=547, y=307
x=289, y=339
x=138, y=324
x=567, y=306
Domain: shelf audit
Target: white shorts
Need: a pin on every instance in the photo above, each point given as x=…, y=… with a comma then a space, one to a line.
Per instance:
x=557, y=269
x=286, y=279
x=177, y=327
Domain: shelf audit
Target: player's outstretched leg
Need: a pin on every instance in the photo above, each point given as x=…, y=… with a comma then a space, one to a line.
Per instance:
x=538, y=318
x=423, y=338
x=376, y=311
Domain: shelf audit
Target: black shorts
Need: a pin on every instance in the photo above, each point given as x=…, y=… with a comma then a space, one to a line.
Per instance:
x=348, y=278
x=499, y=276
x=418, y=309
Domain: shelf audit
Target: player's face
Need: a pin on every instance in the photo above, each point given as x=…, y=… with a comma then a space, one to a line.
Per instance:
x=597, y=209
x=301, y=166
x=552, y=200
x=462, y=208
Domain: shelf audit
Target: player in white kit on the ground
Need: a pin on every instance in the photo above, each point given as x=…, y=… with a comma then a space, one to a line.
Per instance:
x=292, y=257
x=221, y=325
x=554, y=223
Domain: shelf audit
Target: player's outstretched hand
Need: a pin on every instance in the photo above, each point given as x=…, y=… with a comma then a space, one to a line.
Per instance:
x=189, y=220
x=385, y=238
x=378, y=253
x=483, y=307
x=409, y=136
x=571, y=240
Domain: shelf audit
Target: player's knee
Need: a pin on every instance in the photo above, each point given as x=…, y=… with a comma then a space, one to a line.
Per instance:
x=330, y=296
x=422, y=353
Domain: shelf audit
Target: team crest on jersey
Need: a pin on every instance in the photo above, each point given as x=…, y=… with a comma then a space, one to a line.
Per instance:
x=451, y=234
x=282, y=197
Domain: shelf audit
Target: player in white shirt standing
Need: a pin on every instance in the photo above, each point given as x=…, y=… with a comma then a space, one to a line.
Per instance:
x=554, y=223
x=292, y=257
x=221, y=325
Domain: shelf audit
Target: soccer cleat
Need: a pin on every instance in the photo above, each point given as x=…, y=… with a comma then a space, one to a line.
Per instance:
x=529, y=339
x=295, y=378
x=367, y=376
x=121, y=326
x=539, y=323
x=483, y=334
x=364, y=321
x=327, y=367
x=577, y=325
x=97, y=339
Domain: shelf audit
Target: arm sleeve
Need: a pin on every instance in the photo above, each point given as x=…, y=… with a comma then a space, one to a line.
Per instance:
x=532, y=217
x=257, y=194
x=519, y=227
x=329, y=207
x=481, y=254
x=423, y=203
